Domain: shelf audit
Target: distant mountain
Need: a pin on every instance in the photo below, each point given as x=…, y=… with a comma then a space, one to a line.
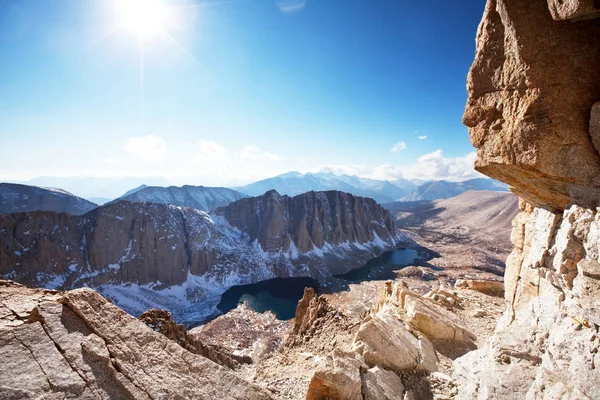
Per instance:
x=19, y=198
x=89, y=187
x=198, y=197
x=294, y=183
x=99, y=200
x=132, y=191
x=434, y=190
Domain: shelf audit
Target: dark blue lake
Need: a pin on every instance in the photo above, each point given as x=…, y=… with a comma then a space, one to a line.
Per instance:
x=281, y=295
x=382, y=267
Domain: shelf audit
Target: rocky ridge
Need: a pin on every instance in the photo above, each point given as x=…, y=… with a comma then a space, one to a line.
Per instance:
x=532, y=113
x=15, y=198
x=199, y=197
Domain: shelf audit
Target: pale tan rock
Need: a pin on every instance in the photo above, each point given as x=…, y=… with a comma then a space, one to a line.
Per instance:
x=380, y=384
x=339, y=380
x=531, y=89
x=435, y=322
x=480, y=285
x=383, y=340
x=546, y=345
x=82, y=346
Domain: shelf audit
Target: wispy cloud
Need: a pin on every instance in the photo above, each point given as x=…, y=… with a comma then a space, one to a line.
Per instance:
x=148, y=148
x=211, y=150
x=422, y=137
x=398, y=147
x=429, y=166
x=253, y=153
x=290, y=6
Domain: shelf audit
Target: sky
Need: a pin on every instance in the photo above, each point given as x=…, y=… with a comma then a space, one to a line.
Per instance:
x=226, y=92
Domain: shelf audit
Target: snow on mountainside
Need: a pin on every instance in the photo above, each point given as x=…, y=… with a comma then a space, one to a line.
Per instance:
x=144, y=255
x=294, y=183
x=198, y=197
x=444, y=189
x=20, y=198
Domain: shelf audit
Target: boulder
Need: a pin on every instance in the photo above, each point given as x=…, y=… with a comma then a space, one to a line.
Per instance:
x=480, y=285
x=435, y=322
x=383, y=340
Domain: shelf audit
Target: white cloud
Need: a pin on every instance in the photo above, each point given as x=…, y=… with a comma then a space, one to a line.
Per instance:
x=429, y=166
x=253, y=153
x=422, y=137
x=148, y=148
x=209, y=150
x=398, y=147
x=290, y=6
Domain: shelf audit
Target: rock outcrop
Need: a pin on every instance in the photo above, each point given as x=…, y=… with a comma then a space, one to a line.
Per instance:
x=309, y=221
x=162, y=321
x=531, y=90
x=15, y=198
x=531, y=113
x=78, y=345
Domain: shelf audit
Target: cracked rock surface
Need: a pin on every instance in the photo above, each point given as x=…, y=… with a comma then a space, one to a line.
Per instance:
x=78, y=345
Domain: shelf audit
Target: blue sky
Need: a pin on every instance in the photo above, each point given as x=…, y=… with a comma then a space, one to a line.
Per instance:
x=235, y=90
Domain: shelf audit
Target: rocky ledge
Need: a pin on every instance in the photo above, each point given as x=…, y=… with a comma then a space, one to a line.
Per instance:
x=77, y=344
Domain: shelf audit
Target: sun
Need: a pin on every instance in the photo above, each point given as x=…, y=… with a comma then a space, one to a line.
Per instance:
x=144, y=18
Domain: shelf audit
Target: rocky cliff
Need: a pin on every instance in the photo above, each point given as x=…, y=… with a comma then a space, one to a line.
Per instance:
x=145, y=255
x=198, y=197
x=309, y=221
x=16, y=198
x=533, y=116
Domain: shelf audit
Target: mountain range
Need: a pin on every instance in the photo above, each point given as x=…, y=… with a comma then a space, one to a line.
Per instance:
x=293, y=183
x=434, y=190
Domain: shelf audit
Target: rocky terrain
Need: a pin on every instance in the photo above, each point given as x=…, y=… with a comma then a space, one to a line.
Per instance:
x=148, y=255
x=532, y=113
x=469, y=233
x=78, y=345
x=15, y=198
x=399, y=339
x=444, y=189
x=199, y=197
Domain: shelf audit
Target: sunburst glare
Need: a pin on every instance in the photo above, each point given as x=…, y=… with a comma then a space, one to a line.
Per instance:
x=145, y=18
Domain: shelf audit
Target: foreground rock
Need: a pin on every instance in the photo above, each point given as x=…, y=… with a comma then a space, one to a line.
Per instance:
x=78, y=345
x=531, y=89
x=531, y=113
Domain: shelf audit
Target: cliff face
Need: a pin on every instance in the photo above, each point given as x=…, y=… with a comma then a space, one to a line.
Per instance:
x=310, y=220
x=532, y=113
x=145, y=255
x=16, y=198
